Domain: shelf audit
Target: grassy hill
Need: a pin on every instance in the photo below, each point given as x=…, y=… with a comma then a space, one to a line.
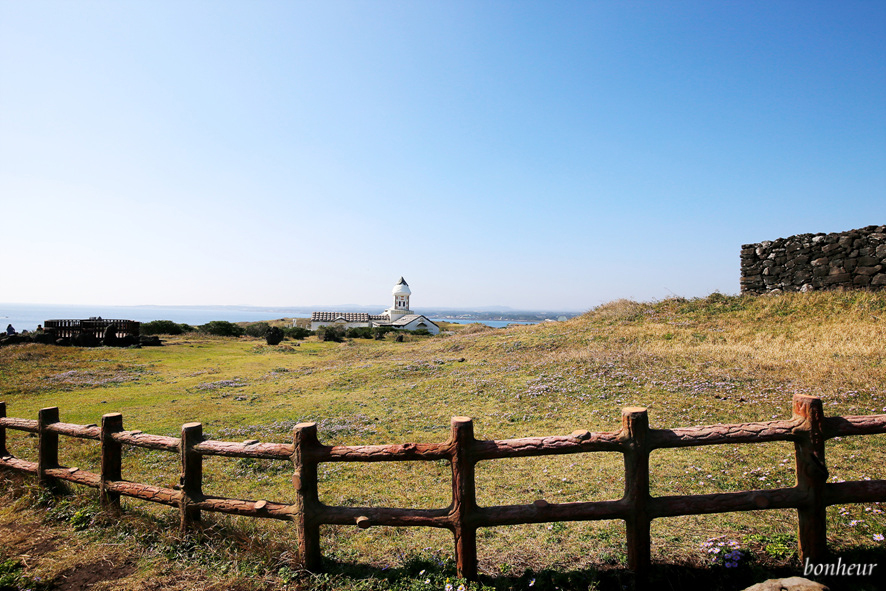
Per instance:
x=720, y=359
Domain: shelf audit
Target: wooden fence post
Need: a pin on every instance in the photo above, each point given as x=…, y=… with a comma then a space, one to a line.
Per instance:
x=47, y=446
x=635, y=426
x=112, y=460
x=3, y=451
x=307, y=501
x=812, y=474
x=192, y=474
x=464, y=498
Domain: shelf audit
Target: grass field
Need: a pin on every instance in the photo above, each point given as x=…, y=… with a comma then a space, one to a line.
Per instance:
x=721, y=359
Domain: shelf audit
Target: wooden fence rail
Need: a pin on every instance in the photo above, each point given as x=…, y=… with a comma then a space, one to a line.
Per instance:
x=808, y=429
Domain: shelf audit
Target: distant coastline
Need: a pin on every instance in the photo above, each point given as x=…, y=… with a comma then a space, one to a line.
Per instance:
x=28, y=316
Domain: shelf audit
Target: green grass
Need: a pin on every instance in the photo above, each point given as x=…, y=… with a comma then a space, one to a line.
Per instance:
x=721, y=359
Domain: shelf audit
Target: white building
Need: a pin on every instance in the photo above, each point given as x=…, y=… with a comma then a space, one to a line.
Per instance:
x=398, y=316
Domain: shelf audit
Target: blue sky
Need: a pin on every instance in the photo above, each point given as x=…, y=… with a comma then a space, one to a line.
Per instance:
x=524, y=154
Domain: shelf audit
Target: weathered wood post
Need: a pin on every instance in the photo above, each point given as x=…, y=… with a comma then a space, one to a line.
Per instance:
x=812, y=474
x=47, y=446
x=3, y=451
x=464, y=498
x=192, y=474
x=635, y=431
x=112, y=460
x=307, y=501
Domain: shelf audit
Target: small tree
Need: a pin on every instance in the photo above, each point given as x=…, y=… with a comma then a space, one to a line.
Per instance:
x=379, y=332
x=297, y=332
x=222, y=328
x=331, y=333
x=258, y=329
x=164, y=327
x=360, y=332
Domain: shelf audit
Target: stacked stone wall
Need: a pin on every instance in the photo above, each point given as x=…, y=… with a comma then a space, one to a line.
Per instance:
x=855, y=259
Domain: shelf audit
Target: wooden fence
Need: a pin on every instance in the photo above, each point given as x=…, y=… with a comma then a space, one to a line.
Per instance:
x=807, y=429
x=95, y=327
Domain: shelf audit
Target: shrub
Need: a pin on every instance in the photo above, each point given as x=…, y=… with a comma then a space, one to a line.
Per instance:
x=222, y=328
x=164, y=327
x=297, y=332
x=379, y=332
x=362, y=332
x=258, y=329
x=331, y=333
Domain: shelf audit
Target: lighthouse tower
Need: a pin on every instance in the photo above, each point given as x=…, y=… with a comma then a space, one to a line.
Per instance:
x=401, y=294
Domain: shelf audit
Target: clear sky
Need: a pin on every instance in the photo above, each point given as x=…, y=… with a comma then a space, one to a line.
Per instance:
x=536, y=155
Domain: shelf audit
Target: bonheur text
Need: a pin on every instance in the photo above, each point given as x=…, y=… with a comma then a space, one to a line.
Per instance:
x=838, y=568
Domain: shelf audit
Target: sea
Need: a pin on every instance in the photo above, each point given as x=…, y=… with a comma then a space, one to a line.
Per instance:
x=28, y=316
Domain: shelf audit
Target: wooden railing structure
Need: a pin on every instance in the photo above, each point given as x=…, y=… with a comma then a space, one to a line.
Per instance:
x=807, y=429
x=95, y=327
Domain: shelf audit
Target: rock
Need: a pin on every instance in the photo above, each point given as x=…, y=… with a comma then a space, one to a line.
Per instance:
x=789, y=584
x=837, y=279
x=109, y=338
x=879, y=279
x=836, y=269
x=84, y=339
x=807, y=287
x=861, y=280
x=44, y=338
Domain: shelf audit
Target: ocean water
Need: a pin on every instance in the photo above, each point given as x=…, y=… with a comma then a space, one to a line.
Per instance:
x=28, y=316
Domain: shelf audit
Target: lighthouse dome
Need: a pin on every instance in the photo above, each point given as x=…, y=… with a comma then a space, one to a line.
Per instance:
x=402, y=288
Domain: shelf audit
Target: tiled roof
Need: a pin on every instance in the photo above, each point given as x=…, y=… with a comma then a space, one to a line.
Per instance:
x=346, y=316
x=333, y=316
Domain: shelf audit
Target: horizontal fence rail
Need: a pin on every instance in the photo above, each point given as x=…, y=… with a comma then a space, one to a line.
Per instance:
x=808, y=429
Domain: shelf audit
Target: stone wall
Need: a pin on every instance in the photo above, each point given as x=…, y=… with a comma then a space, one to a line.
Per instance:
x=854, y=259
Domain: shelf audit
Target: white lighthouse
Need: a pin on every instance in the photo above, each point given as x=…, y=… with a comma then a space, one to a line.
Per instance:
x=401, y=293
x=398, y=316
